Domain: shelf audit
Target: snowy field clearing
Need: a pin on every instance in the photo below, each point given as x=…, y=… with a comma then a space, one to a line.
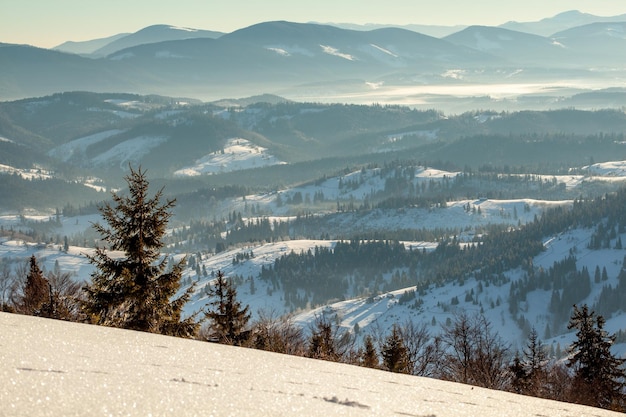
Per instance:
x=239, y=154
x=27, y=174
x=55, y=368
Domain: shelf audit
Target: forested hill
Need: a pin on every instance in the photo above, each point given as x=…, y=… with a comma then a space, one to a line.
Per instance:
x=358, y=266
x=88, y=134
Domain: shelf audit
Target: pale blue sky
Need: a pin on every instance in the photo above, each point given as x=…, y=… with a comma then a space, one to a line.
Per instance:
x=48, y=23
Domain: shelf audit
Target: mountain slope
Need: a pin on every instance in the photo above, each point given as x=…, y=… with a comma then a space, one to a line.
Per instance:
x=57, y=368
x=599, y=41
x=28, y=71
x=87, y=47
x=517, y=47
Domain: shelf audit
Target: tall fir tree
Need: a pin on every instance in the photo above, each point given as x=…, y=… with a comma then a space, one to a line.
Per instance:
x=228, y=319
x=598, y=374
x=35, y=292
x=136, y=291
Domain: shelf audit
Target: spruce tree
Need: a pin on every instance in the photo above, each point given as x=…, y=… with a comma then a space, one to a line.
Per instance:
x=229, y=320
x=535, y=361
x=394, y=353
x=135, y=291
x=369, y=357
x=35, y=292
x=529, y=372
x=323, y=343
x=598, y=374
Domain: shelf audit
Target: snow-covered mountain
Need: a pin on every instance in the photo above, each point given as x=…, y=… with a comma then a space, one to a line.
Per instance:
x=51, y=367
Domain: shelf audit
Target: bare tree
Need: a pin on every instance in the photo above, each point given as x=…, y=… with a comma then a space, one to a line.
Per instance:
x=422, y=349
x=277, y=334
x=64, y=297
x=6, y=284
x=473, y=353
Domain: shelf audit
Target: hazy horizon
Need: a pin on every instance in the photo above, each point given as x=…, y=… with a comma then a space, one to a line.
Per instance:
x=47, y=24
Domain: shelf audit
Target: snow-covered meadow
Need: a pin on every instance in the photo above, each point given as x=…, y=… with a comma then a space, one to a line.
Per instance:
x=53, y=368
x=238, y=154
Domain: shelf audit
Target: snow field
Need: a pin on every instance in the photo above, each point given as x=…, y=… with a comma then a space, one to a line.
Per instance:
x=54, y=368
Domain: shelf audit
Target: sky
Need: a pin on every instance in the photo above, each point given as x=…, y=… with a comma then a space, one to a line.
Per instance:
x=48, y=23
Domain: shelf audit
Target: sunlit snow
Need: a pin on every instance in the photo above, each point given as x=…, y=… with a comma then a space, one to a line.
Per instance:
x=129, y=151
x=54, y=368
x=27, y=174
x=238, y=154
x=386, y=51
x=335, y=52
x=77, y=147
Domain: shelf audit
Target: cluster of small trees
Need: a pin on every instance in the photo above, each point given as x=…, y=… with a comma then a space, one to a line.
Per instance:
x=468, y=351
x=35, y=292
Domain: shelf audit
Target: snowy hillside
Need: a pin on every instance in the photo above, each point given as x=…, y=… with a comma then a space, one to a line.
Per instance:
x=435, y=305
x=77, y=147
x=54, y=368
x=376, y=308
x=367, y=314
x=238, y=154
x=28, y=174
x=130, y=150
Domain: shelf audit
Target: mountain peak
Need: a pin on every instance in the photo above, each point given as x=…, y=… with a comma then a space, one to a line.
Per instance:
x=569, y=14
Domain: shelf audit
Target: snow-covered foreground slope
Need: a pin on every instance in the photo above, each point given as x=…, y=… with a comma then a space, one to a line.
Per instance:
x=54, y=368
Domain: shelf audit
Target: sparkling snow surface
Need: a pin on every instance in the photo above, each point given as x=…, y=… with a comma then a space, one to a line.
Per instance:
x=54, y=368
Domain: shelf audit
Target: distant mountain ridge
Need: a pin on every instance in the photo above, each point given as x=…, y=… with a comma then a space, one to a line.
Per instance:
x=307, y=60
x=560, y=22
x=259, y=59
